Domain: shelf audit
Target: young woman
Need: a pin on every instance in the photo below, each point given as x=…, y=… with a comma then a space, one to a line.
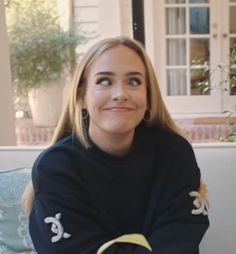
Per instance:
x=119, y=178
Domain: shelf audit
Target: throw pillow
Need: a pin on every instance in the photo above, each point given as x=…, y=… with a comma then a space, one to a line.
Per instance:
x=14, y=234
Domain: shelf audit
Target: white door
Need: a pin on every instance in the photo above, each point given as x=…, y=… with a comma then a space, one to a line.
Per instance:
x=189, y=39
x=228, y=40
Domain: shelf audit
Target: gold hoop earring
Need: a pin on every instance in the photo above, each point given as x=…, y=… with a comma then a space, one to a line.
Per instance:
x=85, y=114
x=147, y=116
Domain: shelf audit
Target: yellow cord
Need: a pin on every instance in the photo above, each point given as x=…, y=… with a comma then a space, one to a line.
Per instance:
x=130, y=238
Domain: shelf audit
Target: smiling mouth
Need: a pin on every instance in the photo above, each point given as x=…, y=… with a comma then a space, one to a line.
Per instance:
x=119, y=109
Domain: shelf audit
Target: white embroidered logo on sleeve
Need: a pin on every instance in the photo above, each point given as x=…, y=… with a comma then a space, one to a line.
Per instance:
x=200, y=203
x=57, y=228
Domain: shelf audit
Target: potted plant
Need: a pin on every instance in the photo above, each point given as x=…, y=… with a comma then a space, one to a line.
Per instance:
x=41, y=55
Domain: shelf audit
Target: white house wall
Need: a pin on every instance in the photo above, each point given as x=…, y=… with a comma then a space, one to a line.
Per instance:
x=86, y=14
x=103, y=18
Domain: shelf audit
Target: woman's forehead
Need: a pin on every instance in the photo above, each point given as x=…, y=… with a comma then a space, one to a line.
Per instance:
x=118, y=58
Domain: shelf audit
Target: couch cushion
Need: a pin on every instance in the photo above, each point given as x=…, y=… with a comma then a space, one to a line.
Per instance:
x=14, y=235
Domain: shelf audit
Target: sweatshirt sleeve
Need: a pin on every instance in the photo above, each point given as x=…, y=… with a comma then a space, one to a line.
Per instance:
x=63, y=219
x=181, y=218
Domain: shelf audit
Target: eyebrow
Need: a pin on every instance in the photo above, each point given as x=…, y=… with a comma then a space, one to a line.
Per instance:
x=105, y=73
x=109, y=73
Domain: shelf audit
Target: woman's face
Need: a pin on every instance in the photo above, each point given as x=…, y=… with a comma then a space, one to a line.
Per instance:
x=116, y=92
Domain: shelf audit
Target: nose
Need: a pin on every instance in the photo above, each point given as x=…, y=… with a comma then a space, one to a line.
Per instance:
x=120, y=92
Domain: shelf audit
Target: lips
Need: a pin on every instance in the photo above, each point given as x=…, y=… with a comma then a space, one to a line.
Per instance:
x=118, y=109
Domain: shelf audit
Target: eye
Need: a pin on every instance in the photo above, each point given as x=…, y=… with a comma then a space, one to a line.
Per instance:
x=134, y=82
x=103, y=82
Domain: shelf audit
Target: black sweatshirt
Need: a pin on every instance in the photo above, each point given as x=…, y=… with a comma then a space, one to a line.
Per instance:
x=86, y=197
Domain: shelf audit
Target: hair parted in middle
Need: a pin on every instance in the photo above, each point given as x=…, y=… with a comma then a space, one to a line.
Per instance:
x=72, y=120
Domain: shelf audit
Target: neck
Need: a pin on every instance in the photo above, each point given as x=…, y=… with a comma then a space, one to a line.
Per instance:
x=115, y=144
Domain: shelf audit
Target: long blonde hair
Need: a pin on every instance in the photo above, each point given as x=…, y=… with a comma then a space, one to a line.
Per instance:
x=72, y=121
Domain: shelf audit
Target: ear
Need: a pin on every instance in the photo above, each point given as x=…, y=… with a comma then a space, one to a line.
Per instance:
x=82, y=96
x=147, y=108
x=84, y=102
x=84, y=105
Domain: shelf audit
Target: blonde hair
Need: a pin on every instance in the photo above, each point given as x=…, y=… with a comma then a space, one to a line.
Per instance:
x=72, y=121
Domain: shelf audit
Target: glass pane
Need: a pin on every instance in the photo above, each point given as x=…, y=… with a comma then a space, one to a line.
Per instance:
x=176, y=51
x=198, y=1
x=200, y=81
x=176, y=82
x=199, y=51
x=175, y=21
x=232, y=72
x=199, y=20
x=232, y=22
x=175, y=1
x=199, y=60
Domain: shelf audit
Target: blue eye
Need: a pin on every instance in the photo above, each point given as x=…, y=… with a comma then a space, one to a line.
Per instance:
x=104, y=82
x=134, y=82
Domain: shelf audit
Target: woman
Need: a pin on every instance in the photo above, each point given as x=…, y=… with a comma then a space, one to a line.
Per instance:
x=119, y=177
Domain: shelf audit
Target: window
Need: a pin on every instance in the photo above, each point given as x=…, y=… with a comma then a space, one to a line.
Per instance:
x=192, y=43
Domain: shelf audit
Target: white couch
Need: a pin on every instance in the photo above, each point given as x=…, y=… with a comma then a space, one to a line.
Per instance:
x=218, y=166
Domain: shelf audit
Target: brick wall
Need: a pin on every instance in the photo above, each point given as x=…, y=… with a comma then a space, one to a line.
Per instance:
x=27, y=134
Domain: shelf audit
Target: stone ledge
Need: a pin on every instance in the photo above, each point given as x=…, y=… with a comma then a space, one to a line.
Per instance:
x=198, y=130
x=28, y=134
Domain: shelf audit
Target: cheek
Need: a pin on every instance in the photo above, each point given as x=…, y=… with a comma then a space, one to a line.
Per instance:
x=95, y=100
x=141, y=100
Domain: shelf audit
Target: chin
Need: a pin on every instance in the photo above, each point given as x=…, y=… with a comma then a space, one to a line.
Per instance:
x=120, y=129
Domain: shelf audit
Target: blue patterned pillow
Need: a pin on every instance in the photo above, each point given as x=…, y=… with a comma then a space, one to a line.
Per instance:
x=14, y=234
